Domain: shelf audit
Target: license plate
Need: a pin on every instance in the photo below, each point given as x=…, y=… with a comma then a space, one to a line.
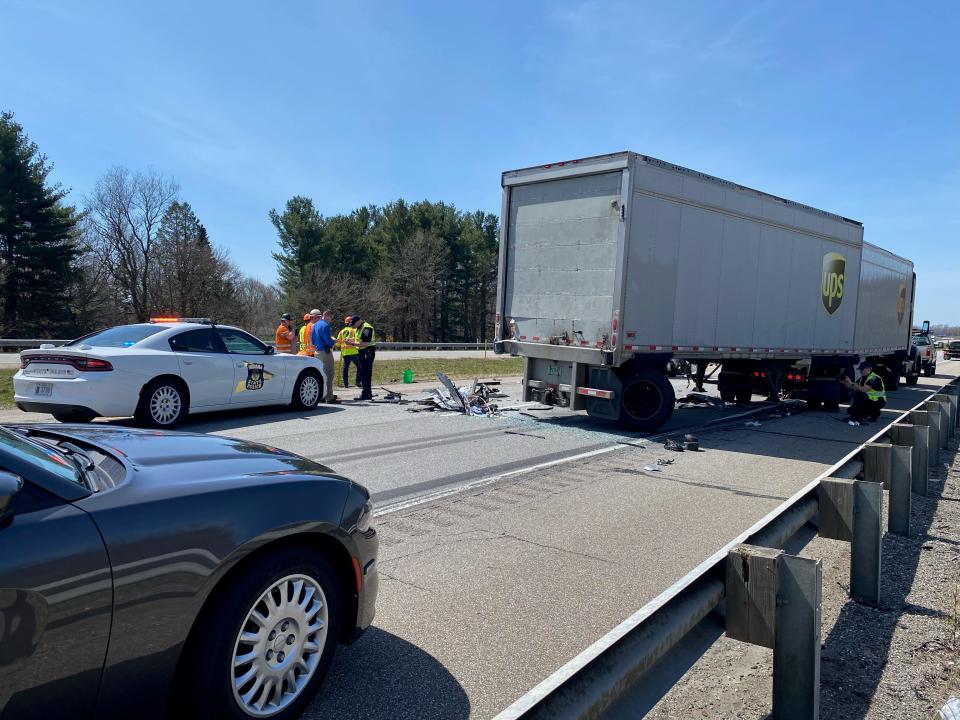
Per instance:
x=43, y=389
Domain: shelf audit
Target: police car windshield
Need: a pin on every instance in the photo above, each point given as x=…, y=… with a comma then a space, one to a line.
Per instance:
x=119, y=337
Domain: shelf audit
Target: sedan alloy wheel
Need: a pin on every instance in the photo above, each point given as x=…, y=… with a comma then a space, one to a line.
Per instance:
x=279, y=645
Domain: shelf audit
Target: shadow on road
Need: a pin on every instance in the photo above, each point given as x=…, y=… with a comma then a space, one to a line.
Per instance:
x=383, y=677
x=240, y=418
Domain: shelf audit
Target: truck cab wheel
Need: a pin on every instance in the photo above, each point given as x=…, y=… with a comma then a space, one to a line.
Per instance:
x=647, y=401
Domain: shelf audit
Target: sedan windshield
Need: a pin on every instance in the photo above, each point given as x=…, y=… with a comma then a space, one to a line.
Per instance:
x=955, y=346
x=39, y=456
x=119, y=337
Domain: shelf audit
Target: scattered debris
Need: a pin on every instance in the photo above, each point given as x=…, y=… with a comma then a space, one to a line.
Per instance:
x=853, y=423
x=473, y=399
x=753, y=423
x=673, y=445
x=691, y=443
x=393, y=397
x=651, y=468
x=664, y=461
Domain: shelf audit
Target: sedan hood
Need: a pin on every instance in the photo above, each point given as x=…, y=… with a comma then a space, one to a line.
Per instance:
x=177, y=458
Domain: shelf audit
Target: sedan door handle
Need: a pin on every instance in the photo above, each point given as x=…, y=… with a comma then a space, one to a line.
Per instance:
x=188, y=362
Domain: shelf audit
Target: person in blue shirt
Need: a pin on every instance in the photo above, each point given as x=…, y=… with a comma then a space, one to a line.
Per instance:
x=323, y=341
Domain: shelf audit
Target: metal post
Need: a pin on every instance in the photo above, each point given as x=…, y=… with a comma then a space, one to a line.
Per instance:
x=899, y=500
x=876, y=463
x=865, y=548
x=796, y=646
x=947, y=421
x=949, y=403
x=773, y=600
x=916, y=437
x=935, y=410
x=922, y=417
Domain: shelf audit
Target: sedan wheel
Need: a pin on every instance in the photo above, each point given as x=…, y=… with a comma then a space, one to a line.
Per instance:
x=278, y=647
x=265, y=641
x=163, y=404
x=307, y=391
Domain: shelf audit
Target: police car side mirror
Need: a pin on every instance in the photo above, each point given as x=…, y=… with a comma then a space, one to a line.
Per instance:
x=271, y=350
x=10, y=487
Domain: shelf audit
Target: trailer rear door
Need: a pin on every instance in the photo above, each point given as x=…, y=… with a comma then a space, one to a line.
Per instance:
x=562, y=247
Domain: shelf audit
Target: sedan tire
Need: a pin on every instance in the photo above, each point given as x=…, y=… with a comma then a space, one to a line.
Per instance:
x=163, y=404
x=265, y=646
x=307, y=391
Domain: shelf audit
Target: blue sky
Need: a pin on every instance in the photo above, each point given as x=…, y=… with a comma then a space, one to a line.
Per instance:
x=852, y=107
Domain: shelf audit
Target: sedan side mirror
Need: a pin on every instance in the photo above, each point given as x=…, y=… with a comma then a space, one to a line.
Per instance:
x=271, y=350
x=10, y=487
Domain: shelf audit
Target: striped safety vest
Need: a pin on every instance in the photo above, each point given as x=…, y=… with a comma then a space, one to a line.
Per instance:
x=875, y=395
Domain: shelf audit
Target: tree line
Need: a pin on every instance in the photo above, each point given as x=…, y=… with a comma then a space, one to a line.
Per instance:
x=134, y=248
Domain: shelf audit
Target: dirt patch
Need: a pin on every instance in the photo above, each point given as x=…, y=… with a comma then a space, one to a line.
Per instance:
x=899, y=661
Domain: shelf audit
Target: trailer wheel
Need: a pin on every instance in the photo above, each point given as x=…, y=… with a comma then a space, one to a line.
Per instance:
x=647, y=401
x=814, y=404
x=744, y=396
x=831, y=405
x=912, y=379
x=728, y=396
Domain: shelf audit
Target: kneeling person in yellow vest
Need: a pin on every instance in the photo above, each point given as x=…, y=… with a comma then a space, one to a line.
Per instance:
x=348, y=354
x=869, y=394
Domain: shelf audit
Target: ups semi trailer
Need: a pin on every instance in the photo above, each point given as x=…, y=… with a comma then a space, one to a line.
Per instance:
x=613, y=267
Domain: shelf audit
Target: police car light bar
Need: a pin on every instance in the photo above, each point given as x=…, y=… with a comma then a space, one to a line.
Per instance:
x=201, y=321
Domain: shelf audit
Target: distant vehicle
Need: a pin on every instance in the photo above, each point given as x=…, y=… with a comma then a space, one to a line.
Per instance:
x=952, y=351
x=927, y=353
x=147, y=574
x=613, y=266
x=161, y=371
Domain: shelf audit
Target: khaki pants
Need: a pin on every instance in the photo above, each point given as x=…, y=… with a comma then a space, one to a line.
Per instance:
x=329, y=373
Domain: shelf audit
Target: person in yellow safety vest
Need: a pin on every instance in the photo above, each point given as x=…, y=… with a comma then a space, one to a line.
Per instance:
x=869, y=394
x=365, y=340
x=348, y=353
x=306, y=333
x=284, y=336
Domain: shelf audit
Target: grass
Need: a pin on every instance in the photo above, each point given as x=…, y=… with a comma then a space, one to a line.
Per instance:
x=384, y=371
x=6, y=387
x=425, y=369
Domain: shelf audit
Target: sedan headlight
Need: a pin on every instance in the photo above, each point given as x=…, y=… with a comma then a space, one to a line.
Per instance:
x=366, y=515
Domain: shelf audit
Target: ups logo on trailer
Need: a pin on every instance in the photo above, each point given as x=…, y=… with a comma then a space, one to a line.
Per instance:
x=902, y=303
x=831, y=282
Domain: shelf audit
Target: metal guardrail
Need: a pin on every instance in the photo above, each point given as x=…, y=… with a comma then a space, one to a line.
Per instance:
x=612, y=668
x=35, y=343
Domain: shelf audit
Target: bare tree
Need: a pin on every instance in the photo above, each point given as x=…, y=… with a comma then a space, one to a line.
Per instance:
x=125, y=212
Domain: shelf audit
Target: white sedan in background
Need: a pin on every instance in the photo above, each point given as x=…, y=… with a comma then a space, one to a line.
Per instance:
x=158, y=372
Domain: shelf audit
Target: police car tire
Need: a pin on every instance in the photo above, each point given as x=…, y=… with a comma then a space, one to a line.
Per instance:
x=143, y=414
x=295, y=402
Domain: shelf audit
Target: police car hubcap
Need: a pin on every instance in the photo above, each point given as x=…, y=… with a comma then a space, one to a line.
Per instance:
x=165, y=405
x=309, y=391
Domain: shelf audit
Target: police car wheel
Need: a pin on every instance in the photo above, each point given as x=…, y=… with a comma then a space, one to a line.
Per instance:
x=307, y=391
x=163, y=404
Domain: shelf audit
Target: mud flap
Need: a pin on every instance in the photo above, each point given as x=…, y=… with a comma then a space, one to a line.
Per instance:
x=602, y=378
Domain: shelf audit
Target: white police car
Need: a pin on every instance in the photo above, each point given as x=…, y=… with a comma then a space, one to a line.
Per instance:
x=160, y=371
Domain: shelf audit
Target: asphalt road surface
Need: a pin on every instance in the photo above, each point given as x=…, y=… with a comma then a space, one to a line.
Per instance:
x=493, y=574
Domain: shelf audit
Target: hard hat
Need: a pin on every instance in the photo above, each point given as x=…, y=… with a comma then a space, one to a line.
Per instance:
x=285, y=316
x=315, y=312
x=307, y=316
x=348, y=319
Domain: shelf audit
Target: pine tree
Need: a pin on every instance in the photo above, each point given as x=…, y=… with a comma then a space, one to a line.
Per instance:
x=37, y=239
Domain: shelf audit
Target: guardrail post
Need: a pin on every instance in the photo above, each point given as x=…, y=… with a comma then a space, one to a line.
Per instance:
x=950, y=419
x=865, y=548
x=935, y=413
x=796, y=645
x=914, y=436
x=889, y=465
x=922, y=417
x=773, y=600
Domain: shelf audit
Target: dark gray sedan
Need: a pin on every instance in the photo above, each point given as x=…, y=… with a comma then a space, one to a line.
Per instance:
x=152, y=574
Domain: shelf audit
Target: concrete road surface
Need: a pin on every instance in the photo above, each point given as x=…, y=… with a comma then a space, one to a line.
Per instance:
x=488, y=589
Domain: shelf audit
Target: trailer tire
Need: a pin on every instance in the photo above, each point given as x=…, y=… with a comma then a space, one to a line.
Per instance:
x=647, y=401
x=912, y=379
x=814, y=404
x=831, y=405
x=744, y=396
x=728, y=396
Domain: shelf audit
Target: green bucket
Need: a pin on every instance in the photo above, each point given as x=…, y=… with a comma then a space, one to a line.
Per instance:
x=408, y=376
